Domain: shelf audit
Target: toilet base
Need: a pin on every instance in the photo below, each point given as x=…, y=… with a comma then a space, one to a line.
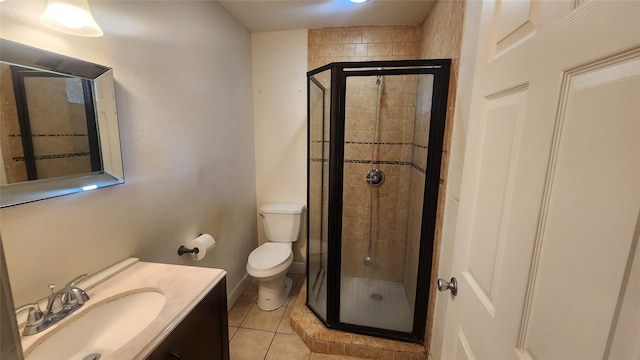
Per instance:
x=272, y=294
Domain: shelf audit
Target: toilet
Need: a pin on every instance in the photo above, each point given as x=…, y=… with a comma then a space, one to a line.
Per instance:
x=270, y=261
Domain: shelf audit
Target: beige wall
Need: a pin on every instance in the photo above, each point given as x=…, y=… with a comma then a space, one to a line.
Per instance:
x=280, y=120
x=183, y=89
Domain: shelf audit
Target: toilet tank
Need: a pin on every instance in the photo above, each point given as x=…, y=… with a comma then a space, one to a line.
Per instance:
x=282, y=221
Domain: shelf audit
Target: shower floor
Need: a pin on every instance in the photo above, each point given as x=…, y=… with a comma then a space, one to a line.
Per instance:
x=374, y=303
x=360, y=304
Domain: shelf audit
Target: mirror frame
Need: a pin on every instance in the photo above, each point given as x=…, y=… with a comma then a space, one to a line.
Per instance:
x=101, y=78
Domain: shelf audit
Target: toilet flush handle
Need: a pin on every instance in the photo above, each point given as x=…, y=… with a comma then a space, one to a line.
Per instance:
x=261, y=214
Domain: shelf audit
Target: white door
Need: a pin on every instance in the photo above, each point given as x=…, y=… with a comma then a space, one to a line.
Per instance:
x=546, y=249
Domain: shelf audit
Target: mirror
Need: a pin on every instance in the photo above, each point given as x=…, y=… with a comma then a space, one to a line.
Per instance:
x=58, y=125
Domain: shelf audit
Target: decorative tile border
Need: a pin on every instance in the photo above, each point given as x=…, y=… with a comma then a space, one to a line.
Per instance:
x=49, y=135
x=379, y=162
x=385, y=162
x=54, y=156
x=376, y=143
x=369, y=143
x=348, y=161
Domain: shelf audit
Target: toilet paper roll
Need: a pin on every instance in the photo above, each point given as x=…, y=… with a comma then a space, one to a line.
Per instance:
x=203, y=243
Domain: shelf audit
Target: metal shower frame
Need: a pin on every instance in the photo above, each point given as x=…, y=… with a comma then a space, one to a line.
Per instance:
x=440, y=69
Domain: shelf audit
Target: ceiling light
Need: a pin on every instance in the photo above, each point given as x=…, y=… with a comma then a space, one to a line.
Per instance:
x=71, y=17
x=358, y=1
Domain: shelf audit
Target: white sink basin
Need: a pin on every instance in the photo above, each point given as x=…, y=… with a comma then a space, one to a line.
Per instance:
x=100, y=329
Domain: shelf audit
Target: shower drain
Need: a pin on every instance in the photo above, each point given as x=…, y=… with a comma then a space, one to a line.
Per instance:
x=376, y=297
x=92, y=357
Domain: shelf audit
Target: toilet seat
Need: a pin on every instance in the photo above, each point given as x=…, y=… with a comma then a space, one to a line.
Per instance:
x=269, y=256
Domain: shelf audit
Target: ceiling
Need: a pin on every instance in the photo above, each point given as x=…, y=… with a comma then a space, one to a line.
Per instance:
x=276, y=15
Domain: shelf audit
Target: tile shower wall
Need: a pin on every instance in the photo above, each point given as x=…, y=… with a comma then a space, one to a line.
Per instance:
x=393, y=144
x=14, y=171
x=379, y=213
x=60, y=148
x=363, y=43
x=58, y=126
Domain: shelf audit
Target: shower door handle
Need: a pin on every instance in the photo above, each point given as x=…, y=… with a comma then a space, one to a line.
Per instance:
x=444, y=285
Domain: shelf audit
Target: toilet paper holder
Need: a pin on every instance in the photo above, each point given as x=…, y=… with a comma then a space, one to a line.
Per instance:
x=198, y=247
x=185, y=250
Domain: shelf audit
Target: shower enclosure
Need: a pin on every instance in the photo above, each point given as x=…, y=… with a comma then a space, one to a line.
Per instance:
x=374, y=152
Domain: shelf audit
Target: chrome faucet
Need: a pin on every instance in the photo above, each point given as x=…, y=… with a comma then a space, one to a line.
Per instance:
x=60, y=304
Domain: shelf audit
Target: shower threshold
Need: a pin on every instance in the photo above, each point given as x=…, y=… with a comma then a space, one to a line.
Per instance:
x=320, y=339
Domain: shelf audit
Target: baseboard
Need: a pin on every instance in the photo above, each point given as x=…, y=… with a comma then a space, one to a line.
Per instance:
x=237, y=291
x=298, y=267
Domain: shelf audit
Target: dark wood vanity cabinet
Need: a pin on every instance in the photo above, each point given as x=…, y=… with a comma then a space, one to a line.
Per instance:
x=201, y=335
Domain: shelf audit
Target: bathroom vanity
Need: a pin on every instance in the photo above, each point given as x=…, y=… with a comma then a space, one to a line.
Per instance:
x=190, y=322
x=203, y=334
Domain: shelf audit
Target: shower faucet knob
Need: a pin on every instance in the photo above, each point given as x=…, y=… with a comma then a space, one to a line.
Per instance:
x=375, y=177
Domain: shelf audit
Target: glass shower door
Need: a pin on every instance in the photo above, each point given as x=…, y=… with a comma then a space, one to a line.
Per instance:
x=319, y=93
x=386, y=137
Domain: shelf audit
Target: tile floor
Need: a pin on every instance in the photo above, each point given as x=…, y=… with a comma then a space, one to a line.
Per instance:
x=267, y=335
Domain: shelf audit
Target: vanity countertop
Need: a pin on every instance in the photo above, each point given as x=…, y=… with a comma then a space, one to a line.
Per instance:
x=183, y=286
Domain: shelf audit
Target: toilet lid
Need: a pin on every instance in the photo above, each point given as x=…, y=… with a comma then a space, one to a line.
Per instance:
x=269, y=255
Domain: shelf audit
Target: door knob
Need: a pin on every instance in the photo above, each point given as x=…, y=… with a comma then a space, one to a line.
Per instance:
x=444, y=285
